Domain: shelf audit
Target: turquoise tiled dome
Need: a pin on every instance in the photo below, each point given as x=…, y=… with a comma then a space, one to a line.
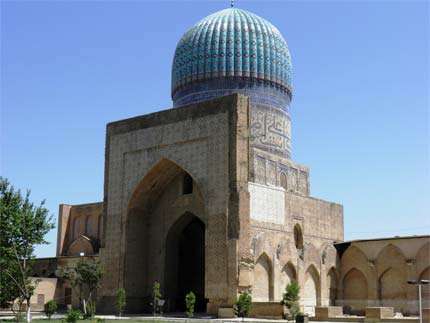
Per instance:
x=229, y=44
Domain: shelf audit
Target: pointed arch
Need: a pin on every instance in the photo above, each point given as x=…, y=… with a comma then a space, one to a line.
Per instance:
x=155, y=205
x=287, y=276
x=392, y=277
x=355, y=287
x=263, y=279
x=311, y=290
x=298, y=236
x=329, y=254
x=387, y=255
x=352, y=258
x=153, y=183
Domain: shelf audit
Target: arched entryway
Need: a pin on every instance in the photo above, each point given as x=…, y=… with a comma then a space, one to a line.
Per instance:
x=311, y=290
x=165, y=214
x=263, y=284
x=288, y=275
x=185, y=263
x=355, y=291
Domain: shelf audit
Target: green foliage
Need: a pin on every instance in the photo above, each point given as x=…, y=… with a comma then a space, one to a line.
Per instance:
x=190, y=302
x=73, y=315
x=50, y=308
x=85, y=277
x=243, y=305
x=120, y=300
x=88, y=275
x=23, y=225
x=291, y=299
x=156, y=296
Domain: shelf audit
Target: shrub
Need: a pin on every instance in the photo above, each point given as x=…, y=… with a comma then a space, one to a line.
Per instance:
x=190, y=301
x=156, y=296
x=73, y=316
x=120, y=300
x=243, y=305
x=291, y=299
x=50, y=308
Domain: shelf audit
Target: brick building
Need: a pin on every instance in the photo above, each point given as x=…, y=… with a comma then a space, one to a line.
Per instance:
x=205, y=196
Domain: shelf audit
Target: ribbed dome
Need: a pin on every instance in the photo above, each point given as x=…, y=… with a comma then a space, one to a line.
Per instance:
x=229, y=44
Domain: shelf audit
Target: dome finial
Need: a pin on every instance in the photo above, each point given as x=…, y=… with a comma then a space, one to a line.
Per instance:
x=231, y=3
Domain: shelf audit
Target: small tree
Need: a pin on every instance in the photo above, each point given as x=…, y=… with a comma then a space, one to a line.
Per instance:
x=243, y=305
x=50, y=308
x=120, y=300
x=22, y=226
x=190, y=301
x=85, y=277
x=156, y=296
x=291, y=299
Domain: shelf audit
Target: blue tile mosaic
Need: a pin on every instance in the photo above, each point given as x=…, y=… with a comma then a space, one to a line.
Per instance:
x=232, y=43
x=235, y=51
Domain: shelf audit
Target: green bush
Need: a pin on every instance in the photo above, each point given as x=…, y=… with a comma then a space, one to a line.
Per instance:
x=156, y=297
x=50, y=308
x=291, y=299
x=120, y=300
x=190, y=301
x=243, y=305
x=73, y=315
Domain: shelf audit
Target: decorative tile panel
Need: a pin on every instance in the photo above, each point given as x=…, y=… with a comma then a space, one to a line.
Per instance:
x=232, y=42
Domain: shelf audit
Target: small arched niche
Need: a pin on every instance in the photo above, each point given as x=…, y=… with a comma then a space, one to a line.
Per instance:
x=283, y=180
x=263, y=279
x=298, y=237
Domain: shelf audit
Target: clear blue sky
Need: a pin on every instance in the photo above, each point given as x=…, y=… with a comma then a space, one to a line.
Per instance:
x=359, y=112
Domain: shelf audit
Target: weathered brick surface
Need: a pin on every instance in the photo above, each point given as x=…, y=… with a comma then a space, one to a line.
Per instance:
x=208, y=141
x=252, y=242
x=376, y=272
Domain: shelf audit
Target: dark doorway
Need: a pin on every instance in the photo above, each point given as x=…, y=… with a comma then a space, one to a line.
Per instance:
x=185, y=263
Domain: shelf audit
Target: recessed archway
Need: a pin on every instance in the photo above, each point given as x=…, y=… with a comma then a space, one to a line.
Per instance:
x=311, y=291
x=185, y=263
x=159, y=210
x=298, y=237
x=263, y=279
x=355, y=291
x=288, y=275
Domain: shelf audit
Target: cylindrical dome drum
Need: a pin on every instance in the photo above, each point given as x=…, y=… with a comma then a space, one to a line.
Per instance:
x=235, y=51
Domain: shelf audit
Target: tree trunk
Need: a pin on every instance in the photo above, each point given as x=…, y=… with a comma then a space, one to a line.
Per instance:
x=85, y=306
x=28, y=311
